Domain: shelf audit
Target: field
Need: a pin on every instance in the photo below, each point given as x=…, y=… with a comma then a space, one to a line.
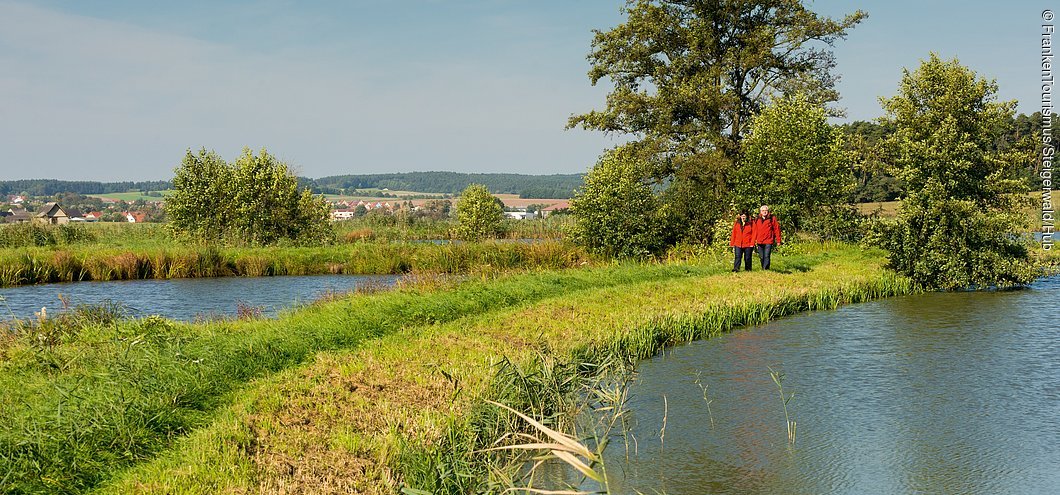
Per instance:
x=131, y=196
x=372, y=392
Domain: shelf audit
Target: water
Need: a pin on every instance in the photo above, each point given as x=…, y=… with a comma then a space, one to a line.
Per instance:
x=936, y=393
x=186, y=299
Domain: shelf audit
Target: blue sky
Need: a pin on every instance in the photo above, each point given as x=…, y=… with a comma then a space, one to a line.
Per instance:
x=117, y=90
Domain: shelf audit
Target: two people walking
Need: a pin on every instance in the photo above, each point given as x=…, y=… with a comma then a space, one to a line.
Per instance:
x=748, y=234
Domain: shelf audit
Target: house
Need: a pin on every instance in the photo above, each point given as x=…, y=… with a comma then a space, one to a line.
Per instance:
x=16, y=199
x=520, y=215
x=16, y=215
x=134, y=216
x=93, y=216
x=548, y=210
x=56, y=214
x=342, y=214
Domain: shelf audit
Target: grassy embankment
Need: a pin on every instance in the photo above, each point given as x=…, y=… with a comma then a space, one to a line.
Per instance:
x=35, y=254
x=407, y=408
x=83, y=401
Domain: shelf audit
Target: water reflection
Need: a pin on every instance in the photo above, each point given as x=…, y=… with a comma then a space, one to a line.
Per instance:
x=939, y=393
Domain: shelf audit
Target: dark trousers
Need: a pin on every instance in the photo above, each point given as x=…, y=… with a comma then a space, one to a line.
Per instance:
x=744, y=253
x=764, y=250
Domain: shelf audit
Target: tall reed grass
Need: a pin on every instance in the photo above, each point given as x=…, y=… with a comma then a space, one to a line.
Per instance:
x=80, y=263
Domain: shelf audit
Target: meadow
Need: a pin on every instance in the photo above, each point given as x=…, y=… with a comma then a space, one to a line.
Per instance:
x=372, y=392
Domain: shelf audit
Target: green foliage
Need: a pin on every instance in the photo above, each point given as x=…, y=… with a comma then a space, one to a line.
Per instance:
x=617, y=212
x=256, y=199
x=690, y=75
x=794, y=161
x=35, y=234
x=479, y=215
x=959, y=225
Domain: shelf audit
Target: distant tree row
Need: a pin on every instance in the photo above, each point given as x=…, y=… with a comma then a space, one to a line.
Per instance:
x=532, y=186
x=51, y=187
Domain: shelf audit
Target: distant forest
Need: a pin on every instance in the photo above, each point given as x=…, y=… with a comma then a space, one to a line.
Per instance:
x=526, y=186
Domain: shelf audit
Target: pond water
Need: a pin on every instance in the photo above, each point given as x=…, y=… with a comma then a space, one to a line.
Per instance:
x=186, y=299
x=935, y=393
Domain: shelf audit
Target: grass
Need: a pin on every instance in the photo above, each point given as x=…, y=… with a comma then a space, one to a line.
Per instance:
x=97, y=398
x=408, y=409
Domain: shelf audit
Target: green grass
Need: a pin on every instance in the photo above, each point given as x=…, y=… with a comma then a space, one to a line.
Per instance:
x=131, y=196
x=408, y=408
x=99, y=398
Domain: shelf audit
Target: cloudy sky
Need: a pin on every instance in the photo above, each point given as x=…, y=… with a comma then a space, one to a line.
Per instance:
x=118, y=89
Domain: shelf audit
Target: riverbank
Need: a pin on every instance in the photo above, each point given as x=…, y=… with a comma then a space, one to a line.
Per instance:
x=87, y=395
x=408, y=409
x=83, y=262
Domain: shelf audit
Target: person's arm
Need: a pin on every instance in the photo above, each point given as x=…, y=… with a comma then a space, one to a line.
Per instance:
x=776, y=227
x=735, y=233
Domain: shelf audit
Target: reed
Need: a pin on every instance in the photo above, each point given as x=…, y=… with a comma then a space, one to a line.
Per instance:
x=77, y=263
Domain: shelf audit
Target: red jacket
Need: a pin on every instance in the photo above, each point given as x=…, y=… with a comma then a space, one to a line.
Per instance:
x=742, y=235
x=766, y=230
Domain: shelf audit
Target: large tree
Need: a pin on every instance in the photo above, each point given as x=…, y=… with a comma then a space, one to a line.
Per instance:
x=688, y=76
x=959, y=224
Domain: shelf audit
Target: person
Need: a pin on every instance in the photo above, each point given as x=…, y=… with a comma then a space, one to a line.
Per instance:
x=742, y=241
x=766, y=233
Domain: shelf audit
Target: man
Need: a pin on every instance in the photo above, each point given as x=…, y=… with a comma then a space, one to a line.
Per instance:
x=766, y=234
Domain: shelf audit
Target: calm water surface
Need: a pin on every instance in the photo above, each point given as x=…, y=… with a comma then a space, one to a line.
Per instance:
x=186, y=299
x=937, y=393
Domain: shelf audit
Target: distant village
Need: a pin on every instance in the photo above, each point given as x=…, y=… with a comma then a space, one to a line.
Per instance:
x=74, y=208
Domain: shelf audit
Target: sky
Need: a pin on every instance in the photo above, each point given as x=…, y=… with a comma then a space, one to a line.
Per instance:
x=114, y=90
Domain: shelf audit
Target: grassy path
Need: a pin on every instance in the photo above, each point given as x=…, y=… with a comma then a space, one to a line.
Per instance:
x=107, y=397
x=407, y=409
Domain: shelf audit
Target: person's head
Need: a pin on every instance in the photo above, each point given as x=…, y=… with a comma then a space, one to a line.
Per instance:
x=764, y=211
x=743, y=216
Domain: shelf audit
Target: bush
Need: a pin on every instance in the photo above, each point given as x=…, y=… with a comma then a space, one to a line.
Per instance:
x=617, y=212
x=479, y=215
x=836, y=223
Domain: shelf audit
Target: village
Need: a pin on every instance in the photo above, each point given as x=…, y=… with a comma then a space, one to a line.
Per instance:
x=21, y=208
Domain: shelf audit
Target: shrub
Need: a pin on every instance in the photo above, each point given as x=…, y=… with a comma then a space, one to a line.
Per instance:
x=479, y=215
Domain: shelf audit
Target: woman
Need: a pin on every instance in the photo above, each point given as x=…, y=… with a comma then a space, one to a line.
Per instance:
x=742, y=241
x=766, y=234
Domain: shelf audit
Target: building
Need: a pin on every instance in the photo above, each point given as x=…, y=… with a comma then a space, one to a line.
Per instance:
x=134, y=216
x=56, y=214
x=16, y=215
x=548, y=210
x=342, y=214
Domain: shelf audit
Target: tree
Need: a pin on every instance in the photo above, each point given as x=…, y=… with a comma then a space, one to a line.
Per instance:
x=479, y=215
x=689, y=75
x=202, y=192
x=257, y=199
x=959, y=225
x=793, y=161
x=617, y=211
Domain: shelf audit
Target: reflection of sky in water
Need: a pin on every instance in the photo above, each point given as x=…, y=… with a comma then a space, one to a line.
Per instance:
x=938, y=393
x=184, y=299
